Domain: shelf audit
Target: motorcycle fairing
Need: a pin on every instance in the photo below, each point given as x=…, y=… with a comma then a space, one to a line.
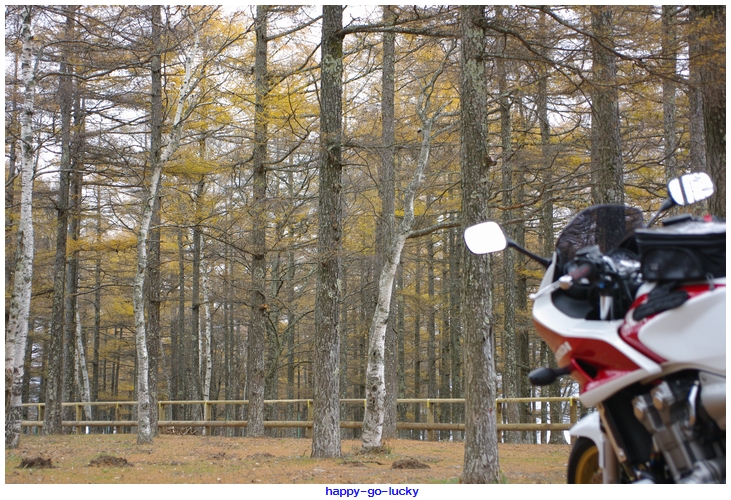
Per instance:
x=590, y=345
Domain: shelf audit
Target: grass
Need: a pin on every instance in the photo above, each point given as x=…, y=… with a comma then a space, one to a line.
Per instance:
x=235, y=460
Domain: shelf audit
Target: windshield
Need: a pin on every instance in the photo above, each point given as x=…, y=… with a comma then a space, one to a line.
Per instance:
x=602, y=225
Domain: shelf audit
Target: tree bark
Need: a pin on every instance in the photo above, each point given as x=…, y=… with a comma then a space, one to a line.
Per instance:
x=257, y=331
x=510, y=372
x=16, y=332
x=387, y=189
x=669, y=56
x=481, y=463
x=710, y=22
x=326, y=427
x=58, y=346
x=144, y=429
x=606, y=151
x=153, y=295
x=375, y=372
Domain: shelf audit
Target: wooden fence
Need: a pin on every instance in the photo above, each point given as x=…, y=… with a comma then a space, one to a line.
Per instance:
x=208, y=423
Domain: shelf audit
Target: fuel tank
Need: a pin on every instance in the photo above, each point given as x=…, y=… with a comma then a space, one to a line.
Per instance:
x=692, y=335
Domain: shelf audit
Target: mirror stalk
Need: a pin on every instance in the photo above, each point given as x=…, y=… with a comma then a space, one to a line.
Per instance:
x=543, y=261
x=666, y=205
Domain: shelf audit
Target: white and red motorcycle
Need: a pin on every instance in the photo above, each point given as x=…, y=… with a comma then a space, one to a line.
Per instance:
x=637, y=316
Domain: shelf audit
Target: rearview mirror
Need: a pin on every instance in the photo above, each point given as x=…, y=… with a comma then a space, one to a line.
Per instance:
x=690, y=188
x=486, y=237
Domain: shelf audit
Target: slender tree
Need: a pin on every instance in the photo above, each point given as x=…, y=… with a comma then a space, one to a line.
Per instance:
x=144, y=429
x=375, y=373
x=387, y=189
x=154, y=299
x=59, y=348
x=670, y=59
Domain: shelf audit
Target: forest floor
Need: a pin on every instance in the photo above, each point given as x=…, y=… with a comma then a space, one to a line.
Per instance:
x=117, y=459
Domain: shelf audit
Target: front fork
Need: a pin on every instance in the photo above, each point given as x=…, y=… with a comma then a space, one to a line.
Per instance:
x=590, y=427
x=610, y=471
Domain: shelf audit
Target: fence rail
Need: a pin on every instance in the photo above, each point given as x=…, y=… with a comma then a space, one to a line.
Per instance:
x=208, y=423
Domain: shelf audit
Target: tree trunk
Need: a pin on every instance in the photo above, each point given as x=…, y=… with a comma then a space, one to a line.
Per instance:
x=16, y=332
x=669, y=57
x=58, y=347
x=417, y=340
x=207, y=335
x=431, y=326
x=401, y=338
x=144, y=429
x=606, y=151
x=375, y=373
x=326, y=429
x=710, y=22
x=510, y=351
x=153, y=295
x=387, y=188
x=257, y=330
x=455, y=324
x=95, y=373
x=480, y=456
x=11, y=141
x=696, y=132
x=82, y=373
x=547, y=234
x=180, y=344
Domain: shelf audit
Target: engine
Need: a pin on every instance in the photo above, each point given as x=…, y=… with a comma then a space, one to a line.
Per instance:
x=686, y=416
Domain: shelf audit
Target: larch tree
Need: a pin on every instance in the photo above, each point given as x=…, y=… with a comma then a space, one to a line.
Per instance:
x=510, y=351
x=326, y=390
x=670, y=60
x=153, y=294
x=710, y=24
x=481, y=463
x=257, y=330
x=606, y=151
x=387, y=190
x=18, y=314
x=60, y=346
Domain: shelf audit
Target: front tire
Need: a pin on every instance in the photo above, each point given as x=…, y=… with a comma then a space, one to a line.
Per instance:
x=584, y=463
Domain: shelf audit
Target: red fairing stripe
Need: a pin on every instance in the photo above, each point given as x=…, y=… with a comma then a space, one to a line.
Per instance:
x=585, y=355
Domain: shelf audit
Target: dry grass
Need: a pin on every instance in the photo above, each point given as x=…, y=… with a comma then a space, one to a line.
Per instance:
x=110, y=459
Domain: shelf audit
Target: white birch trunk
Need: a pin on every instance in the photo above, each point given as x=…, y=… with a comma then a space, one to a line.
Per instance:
x=82, y=372
x=144, y=428
x=375, y=410
x=208, y=352
x=16, y=333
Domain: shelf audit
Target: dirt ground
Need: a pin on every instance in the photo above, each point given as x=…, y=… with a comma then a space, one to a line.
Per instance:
x=117, y=459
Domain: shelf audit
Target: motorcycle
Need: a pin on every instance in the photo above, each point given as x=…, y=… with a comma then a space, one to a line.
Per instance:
x=636, y=315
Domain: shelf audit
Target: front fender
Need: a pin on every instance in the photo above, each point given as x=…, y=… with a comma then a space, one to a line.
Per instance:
x=590, y=427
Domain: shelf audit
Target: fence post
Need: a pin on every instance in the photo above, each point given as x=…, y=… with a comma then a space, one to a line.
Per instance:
x=310, y=417
x=116, y=417
x=78, y=418
x=430, y=419
x=573, y=411
x=41, y=415
x=499, y=419
x=207, y=417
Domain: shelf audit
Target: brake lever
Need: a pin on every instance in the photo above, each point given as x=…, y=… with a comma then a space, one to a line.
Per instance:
x=564, y=283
